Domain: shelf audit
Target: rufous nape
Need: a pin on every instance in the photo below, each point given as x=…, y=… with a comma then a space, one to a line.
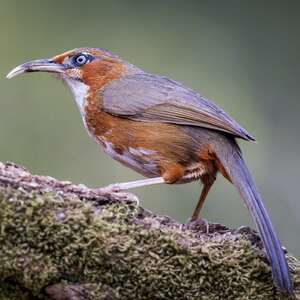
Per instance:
x=163, y=130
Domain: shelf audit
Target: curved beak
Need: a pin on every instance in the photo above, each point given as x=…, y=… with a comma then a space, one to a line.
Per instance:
x=39, y=65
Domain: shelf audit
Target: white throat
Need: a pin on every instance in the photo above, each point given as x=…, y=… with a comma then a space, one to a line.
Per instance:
x=79, y=91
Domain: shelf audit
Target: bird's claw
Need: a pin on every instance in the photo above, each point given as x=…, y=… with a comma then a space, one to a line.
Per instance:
x=111, y=188
x=199, y=224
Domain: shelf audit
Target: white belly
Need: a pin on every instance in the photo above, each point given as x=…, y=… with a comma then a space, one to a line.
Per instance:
x=138, y=159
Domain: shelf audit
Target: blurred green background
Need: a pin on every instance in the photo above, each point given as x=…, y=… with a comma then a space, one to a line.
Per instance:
x=242, y=54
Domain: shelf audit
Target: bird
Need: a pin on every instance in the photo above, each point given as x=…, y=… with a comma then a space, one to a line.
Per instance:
x=163, y=130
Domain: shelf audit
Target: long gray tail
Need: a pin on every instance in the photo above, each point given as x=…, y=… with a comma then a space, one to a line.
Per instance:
x=238, y=173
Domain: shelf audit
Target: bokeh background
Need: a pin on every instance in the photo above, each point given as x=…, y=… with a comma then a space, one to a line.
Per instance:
x=242, y=54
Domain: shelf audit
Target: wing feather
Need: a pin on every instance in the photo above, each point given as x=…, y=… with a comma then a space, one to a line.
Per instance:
x=152, y=98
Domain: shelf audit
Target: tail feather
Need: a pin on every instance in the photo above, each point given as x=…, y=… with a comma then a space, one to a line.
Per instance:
x=238, y=173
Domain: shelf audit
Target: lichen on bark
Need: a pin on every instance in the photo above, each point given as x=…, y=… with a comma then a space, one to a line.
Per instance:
x=61, y=241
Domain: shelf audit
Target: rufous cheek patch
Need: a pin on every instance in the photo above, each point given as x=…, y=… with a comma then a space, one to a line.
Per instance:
x=74, y=73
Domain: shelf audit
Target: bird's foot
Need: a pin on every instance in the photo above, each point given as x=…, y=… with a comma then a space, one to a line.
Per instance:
x=197, y=224
x=115, y=188
x=245, y=229
x=109, y=189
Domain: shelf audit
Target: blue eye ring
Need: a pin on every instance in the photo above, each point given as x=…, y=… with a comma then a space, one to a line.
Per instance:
x=80, y=59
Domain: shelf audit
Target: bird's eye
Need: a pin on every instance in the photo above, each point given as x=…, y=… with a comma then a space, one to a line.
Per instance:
x=80, y=60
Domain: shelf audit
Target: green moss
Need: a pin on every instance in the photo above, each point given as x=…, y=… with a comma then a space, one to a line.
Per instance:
x=46, y=239
x=9, y=291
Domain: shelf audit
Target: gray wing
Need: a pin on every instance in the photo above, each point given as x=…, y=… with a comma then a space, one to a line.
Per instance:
x=152, y=98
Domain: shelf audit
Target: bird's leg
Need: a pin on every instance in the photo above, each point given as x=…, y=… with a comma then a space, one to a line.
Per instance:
x=206, y=187
x=207, y=181
x=118, y=187
x=171, y=173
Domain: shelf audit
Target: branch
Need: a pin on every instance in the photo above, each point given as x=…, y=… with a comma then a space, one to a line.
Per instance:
x=63, y=241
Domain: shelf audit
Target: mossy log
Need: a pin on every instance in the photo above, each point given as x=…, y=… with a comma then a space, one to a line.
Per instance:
x=62, y=241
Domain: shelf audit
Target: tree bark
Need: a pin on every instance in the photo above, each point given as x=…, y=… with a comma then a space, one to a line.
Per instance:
x=64, y=241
